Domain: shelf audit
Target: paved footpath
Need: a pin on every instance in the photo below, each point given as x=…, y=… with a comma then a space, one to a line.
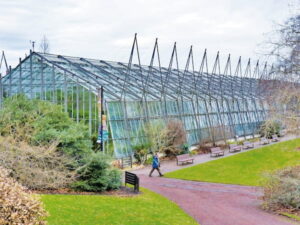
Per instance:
x=170, y=165
x=215, y=204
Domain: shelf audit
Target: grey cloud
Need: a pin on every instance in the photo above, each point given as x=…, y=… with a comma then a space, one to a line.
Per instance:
x=104, y=29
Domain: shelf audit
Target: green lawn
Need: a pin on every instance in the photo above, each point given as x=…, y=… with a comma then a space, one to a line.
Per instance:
x=245, y=168
x=295, y=217
x=147, y=208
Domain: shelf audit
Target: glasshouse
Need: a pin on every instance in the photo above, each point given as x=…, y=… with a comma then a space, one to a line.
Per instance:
x=116, y=100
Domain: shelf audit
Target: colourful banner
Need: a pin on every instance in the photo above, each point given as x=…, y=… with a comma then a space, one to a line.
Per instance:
x=103, y=130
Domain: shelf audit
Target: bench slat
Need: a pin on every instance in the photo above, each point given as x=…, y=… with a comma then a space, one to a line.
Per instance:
x=186, y=159
x=131, y=178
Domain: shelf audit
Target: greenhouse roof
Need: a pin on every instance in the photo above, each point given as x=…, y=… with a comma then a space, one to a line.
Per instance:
x=135, y=82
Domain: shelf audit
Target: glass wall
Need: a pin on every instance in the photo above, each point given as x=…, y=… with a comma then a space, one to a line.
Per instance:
x=210, y=106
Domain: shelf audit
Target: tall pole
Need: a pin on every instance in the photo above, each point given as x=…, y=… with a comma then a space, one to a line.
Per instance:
x=102, y=123
x=20, y=76
x=90, y=110
x=1, y=91
x=101, y=117
x=10, y=82
x=31, y=76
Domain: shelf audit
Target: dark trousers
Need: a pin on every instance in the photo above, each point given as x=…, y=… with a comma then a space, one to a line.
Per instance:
x=150, y=174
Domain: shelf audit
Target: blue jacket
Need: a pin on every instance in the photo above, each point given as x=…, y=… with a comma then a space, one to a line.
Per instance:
x=155, y=162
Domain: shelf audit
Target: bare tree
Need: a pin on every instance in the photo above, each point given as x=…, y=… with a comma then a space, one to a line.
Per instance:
x=36, y=167
x=281, y=86
x=166, y=137
x=44, y=45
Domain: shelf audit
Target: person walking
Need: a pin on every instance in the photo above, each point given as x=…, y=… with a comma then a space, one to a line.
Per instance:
x=155, y=165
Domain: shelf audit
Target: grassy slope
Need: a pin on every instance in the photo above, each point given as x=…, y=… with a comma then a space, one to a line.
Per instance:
x=246, y=168
x=147, y=208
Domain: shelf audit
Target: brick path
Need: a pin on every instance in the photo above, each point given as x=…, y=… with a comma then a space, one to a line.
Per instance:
x=210, y=203
x=215, y=204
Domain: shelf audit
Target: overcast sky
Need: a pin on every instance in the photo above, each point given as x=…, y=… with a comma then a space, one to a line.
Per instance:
x=104, y=29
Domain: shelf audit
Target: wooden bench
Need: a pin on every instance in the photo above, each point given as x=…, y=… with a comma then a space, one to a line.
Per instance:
x=248, y=145
x=131, y=178
x=217, y=151
x=275, y=138
x=235, y=148
x=264, y=141
x=185, y=158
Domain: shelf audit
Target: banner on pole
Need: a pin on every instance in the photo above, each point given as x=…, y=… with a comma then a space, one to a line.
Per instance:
x=103, y=130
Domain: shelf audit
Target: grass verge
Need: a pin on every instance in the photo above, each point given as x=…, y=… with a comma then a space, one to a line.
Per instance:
x=246, y=168
x=292, y=216
x=146, y=208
